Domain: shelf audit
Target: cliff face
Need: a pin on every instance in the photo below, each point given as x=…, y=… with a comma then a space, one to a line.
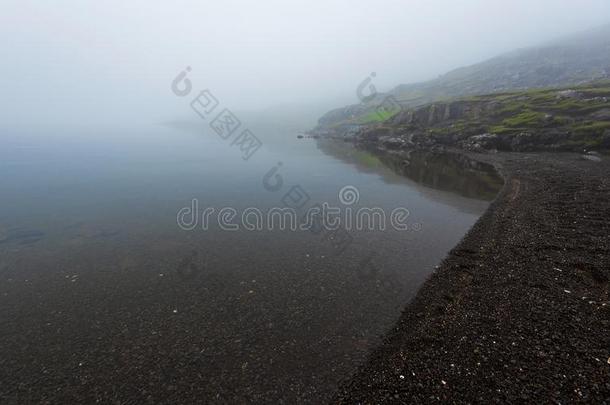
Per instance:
x=552, y=119
x=439, y=113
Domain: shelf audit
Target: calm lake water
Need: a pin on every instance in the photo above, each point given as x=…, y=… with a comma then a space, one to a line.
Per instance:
x=103, y=294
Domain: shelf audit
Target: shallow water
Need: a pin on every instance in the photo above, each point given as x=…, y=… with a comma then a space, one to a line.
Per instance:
x=100, y=279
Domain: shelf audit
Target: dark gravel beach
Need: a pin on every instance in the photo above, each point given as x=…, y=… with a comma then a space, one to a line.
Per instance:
x=519, y=311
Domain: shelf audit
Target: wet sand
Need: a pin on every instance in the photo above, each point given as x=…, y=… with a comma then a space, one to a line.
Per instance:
x=519, y=310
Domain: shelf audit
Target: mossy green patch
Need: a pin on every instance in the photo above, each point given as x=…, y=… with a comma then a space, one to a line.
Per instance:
x=377, y=115
x=512, y=108
x=527, y=119
x=501, y=130
x=592, y=128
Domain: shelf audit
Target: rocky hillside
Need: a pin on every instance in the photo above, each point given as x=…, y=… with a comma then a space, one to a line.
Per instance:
x=569, y=61
x=561, y=119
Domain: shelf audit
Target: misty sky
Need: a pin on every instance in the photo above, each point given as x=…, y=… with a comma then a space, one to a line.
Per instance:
x=69, y=62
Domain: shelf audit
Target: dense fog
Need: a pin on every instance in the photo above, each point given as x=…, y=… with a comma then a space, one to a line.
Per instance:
x=70, y=63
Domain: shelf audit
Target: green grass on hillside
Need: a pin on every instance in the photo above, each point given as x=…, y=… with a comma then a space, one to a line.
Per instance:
x=527, y=119
x=376, y=116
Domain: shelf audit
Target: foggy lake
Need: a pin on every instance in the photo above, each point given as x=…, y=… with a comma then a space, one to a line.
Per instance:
x=91, y=219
